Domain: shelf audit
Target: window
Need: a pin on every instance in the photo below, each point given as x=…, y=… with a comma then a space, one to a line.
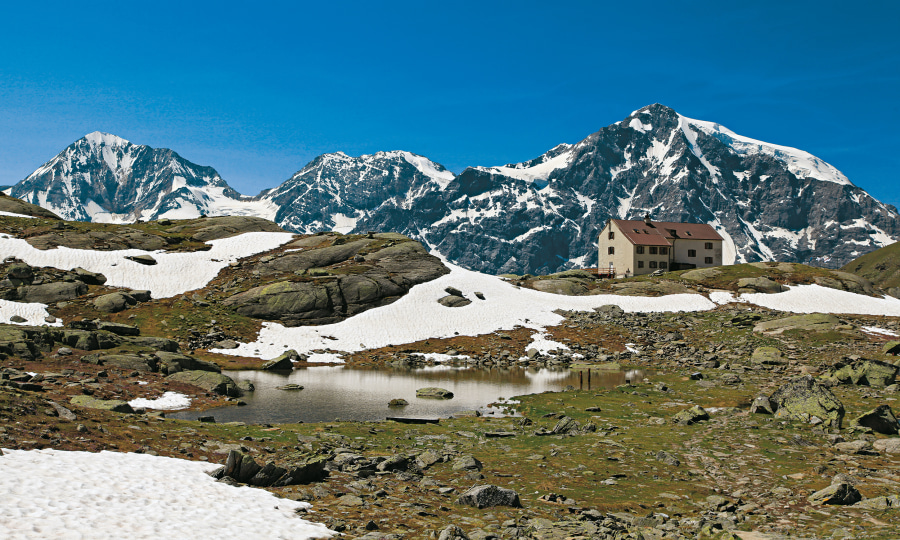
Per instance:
x=652, y=264
x=691, y=252
x=663, y=264
x=663, y=251
x=612, y=235
x=639, y=250
x=688, y=233
x=707, y=260
x=610, y=250
x=640, y=264
x=672, y=233
x=707, y=245
x=653, y=250
x=637, y=231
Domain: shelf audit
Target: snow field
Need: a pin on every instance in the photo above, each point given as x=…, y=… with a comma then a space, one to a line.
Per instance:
x=174, y=273
x=110, y=495
x=33, y=313
x=417, y=316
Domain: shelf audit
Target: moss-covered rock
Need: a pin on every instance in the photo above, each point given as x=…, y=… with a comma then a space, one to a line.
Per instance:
x=862, y=372
x=812, y=322
x=881, y=419
x=114, y=405
x=770, y=356
x=806, y=400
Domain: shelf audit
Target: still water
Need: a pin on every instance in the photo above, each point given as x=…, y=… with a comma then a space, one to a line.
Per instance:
x=337, y=392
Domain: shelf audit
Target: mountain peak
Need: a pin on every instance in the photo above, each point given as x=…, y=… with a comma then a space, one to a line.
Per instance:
x=99, y=138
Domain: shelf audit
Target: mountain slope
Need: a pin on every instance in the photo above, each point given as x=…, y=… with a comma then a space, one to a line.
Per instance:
x=105, y=178
x=881, y=267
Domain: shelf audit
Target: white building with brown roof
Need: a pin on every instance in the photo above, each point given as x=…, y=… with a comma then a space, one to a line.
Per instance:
x=631, y=248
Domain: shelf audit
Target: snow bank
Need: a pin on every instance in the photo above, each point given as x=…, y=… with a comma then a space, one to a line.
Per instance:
x=417, y=316
x=818, y=299
x=174, y=273
x=12, y=214
x=33, y=313
x=169, y=401
x=56, y=494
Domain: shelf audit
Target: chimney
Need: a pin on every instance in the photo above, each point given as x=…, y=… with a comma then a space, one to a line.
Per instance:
x=647, y=219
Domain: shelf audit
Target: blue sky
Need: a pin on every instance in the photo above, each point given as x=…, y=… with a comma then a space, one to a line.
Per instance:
x=257, y=90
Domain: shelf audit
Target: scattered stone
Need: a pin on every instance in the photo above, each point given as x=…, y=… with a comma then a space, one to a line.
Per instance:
x=454, y=301
x=452, y=532
x=565, y=425
x=62, y=411
x=667, y=458
x=760, y=284
x=291, y=386
x=858, y=447
x=489, y=495
x=889, y=446
x=398, y=402
x=18, y=319
x=207, y=380
x=466, y=463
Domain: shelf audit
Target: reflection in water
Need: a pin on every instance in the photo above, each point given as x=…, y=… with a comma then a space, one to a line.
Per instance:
x=338, y=392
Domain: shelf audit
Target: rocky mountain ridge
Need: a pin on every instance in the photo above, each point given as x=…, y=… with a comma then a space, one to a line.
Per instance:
x=769, y=202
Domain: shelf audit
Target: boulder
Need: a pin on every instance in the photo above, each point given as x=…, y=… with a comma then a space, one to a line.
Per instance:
x=769, y=356
x=466, y=463
x=153, y=342
x=398, y=402
x=762, y=405
x=283, y=362
x=701, y=274
x=565, y=425
x=863, y=371
x=812, y=322
x=114, y=302
x=859, y=447
x=610, y=310
x=432, y=392
x=842, y=494
x=207, y=380
x=20, y=271
x=804, y=399
x=891, y=347
x=172, y=362
x=888, y=446
x=114, y=405
x=119, y=329
x=690, y=416
x=452, y=532
x=760, y=284
x=131, y=362
x=50, y=293
x=140, y=295
x=88, y=277
x=146, y=260
x=454, y=301
x=489, y=495
x=881, y=419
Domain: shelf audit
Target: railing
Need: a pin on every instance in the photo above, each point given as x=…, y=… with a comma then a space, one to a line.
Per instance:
x=609, y=272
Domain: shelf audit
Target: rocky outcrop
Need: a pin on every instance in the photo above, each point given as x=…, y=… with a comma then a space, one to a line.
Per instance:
x=113, y=405
x=18, y=206
x=432, y=392
x=349, y=277
x=881, y=419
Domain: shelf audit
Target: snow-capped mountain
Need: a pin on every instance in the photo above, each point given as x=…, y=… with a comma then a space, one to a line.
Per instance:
x=105, y=178
x=769, y=202
x=385, y=191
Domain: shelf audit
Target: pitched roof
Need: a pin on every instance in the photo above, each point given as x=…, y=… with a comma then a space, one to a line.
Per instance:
x=661, y=233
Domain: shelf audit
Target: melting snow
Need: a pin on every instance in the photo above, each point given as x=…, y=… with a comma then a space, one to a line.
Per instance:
x=174, y=273
x=539, y=172
x=877, y=330
x=58, y=494
x=169, y=401
x=11, y=214
x=33, y=313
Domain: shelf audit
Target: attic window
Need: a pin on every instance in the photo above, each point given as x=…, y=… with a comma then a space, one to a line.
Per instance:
x=672, y=232
x=688, y=233
x=646, y=231
x=637, y=231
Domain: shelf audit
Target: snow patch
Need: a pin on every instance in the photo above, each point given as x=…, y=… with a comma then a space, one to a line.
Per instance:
x=58, y=494
x=169, y=401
